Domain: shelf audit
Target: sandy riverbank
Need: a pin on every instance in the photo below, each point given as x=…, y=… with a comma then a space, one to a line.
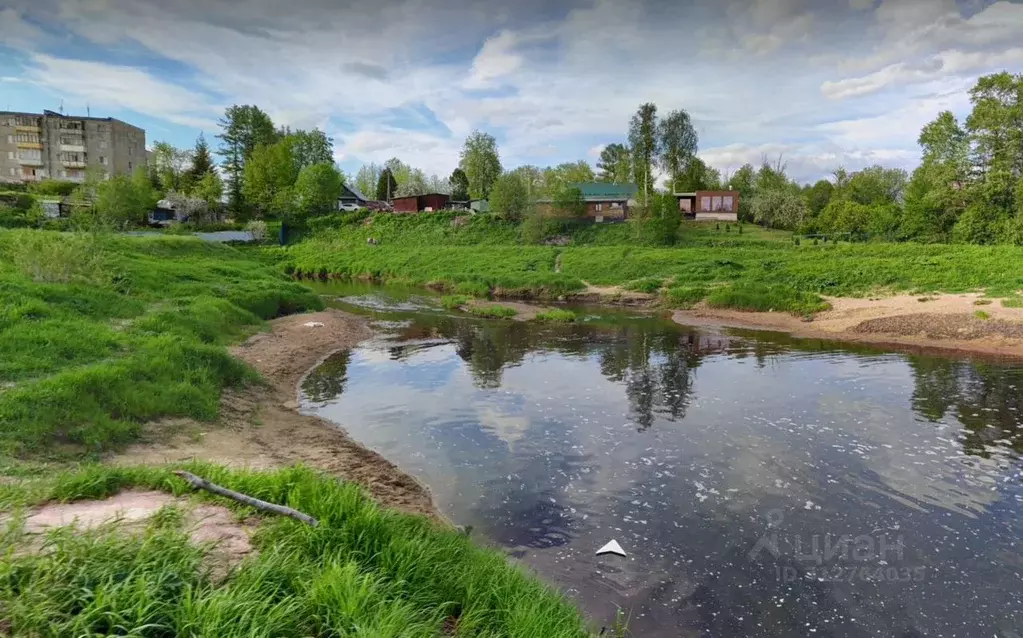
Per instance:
x=934, y=322
x=261, y=427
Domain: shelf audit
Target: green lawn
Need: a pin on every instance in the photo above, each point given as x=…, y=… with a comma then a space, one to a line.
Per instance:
x=363, y=571
x=98, y=335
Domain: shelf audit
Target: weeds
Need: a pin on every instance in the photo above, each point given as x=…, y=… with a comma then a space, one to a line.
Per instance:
x=363, y=571
x=764, y=298
x=454, y=302
x=648, y=285
x=492, y=312
x=556, y=315
x=1013, y=302
x=983, y=316
x=683, y=297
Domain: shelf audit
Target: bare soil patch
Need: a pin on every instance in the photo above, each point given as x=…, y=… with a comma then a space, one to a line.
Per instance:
x=947, y=322
x=261, y=427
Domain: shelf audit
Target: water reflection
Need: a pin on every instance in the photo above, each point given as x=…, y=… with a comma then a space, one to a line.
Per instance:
x=683, y=444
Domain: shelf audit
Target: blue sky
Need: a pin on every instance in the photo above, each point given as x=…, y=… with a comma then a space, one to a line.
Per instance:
x=822, y=83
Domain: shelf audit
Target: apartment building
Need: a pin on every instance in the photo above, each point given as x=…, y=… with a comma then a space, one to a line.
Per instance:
x=49, y=145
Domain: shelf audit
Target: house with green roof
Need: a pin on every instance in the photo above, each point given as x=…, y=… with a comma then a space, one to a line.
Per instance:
x=605, y=202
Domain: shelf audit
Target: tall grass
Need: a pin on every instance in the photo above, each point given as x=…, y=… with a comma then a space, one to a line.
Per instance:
x=764, y=298
x=363, y=571
x=492, y=312
x=556, y=315
x=86, y=359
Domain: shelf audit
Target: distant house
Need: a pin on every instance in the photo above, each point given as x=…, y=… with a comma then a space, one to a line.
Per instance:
x=351, y=195
x=479, y=206
x=416, y=203
x=458, y=204
x=605, y=202
x=709, y=205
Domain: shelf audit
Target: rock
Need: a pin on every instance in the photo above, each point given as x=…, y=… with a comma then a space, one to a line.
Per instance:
x=313, y=324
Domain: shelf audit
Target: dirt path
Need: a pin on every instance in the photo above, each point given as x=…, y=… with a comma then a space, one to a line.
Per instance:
x=261, y=426
x=948, y=322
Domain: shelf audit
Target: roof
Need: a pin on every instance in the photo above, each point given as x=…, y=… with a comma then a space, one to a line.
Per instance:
x=355, y=191
x=603, y=191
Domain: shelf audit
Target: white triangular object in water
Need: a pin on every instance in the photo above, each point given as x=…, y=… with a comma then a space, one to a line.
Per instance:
x=611, y=548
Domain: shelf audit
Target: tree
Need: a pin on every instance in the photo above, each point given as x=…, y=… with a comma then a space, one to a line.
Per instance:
x=169, y=165
x=210, y=189
x=745, y=182
x=366, y=179
x=509, y=198
x=269, y=178
x=117, y=203
x=317, y=188
x=414, y=184
x=534, y=180
x=569, y=203
x=437, y=184
x=202, y=161
x=778, y=208
x=644, y=144
x=772, y=177
x=944, y=141
x=697, y=176
x=818, y=196
x=312, y=147
x=243, y=128
x=400, y=171
x=615, y=164
x=481, y=163
x=875, y=185
x=386, y=186
x=678, y=144
x=146, y=196
x=459, y=185
x=556, y=179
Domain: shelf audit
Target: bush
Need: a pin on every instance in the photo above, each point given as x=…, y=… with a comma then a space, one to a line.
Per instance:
x=492, y=312
x=52, y=188
x=763, y=298
x=556, y=315
x=52, y=258
x=257, y=230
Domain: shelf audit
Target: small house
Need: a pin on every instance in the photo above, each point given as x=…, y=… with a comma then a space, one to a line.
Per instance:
x=709, y=205
x=351, y=195
x=416, y=203
x=605, y=202
x=479, y=206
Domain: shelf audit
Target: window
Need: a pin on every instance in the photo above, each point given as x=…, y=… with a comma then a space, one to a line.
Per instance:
x=704, y=203
x=599, y=207
x=129, y=166
x=599, y=219
x=30, y=154
x=10, y=139
x=9, y=121
x=102, y=145
x=716, y=203
x=102, y=160
x=726, y=203
x=10, y=154
x=12, y=172
x=31, y=138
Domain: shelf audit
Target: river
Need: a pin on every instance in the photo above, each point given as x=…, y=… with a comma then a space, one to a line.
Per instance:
x=761, y=485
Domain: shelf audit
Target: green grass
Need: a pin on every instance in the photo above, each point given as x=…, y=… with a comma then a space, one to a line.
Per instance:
x=454, y=302
x=982, y=315
x=556, y=315
x=764, y=298
x=363, y=571
x=106, y=333
x=1013, y=302
x=427, y=249
x=684, y=296
x=492, y=312
x=648, y=285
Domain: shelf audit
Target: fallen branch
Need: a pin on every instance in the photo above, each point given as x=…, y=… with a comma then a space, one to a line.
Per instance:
x=202, y=484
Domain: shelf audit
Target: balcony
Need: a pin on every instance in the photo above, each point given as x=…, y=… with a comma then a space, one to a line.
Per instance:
x=27, y=128
x=30, y=161
x=73, y=163
x=36, y=145
x=73, y=148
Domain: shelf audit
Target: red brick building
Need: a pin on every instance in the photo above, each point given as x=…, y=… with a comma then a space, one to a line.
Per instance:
x=417, y=203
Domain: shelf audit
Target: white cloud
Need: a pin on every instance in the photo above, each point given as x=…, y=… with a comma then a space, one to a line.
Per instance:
x=495, y=60
x=104, y=85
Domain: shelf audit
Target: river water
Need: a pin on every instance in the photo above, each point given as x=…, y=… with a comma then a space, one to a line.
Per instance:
x=761, y=485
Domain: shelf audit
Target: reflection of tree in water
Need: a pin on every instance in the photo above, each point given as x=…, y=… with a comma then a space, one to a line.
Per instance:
x=327, y=381
x=987, y=400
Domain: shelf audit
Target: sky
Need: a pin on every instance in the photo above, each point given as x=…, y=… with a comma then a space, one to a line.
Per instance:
x=820, y=83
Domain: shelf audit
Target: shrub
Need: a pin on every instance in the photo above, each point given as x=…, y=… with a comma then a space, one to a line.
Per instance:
x=53, y=188
x=556, y=315
x=492, y=312
x=53, y=258
x=256, y=230
x=751, y=297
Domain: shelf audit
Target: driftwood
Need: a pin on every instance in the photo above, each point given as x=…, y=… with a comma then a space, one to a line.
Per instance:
x=202, y=484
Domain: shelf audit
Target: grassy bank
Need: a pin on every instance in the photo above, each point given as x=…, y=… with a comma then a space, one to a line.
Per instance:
x=431, y=250
x=362, y=572
x=99, y=334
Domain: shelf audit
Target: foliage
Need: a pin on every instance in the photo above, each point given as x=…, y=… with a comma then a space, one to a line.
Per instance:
x=555, y=180
x=569, y=202
x=556, y=315
x=454, y=302
x=644, y=144
x=317, y=188
x=202, y=161
x=778, y=208
x=170, y=166
x=492, y=312
x=615, y=164
x=270, y=175
x=678, y=145
x=362, y=571
x=756, y=297
x=459, y=185
x=100, y=333
x=387, y=187
x=481, y=163
x=366, y=179
x=744, y=181
x=311, y=147
x=120, y=204
x=646, y=284
x=508, y=198
x=243, y=128
x=52, y=188
x=697, y=176
x=209, y=189
x=256, y=229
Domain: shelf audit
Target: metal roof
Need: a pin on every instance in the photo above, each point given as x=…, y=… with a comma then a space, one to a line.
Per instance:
x=606, y=191
x=355, y=191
